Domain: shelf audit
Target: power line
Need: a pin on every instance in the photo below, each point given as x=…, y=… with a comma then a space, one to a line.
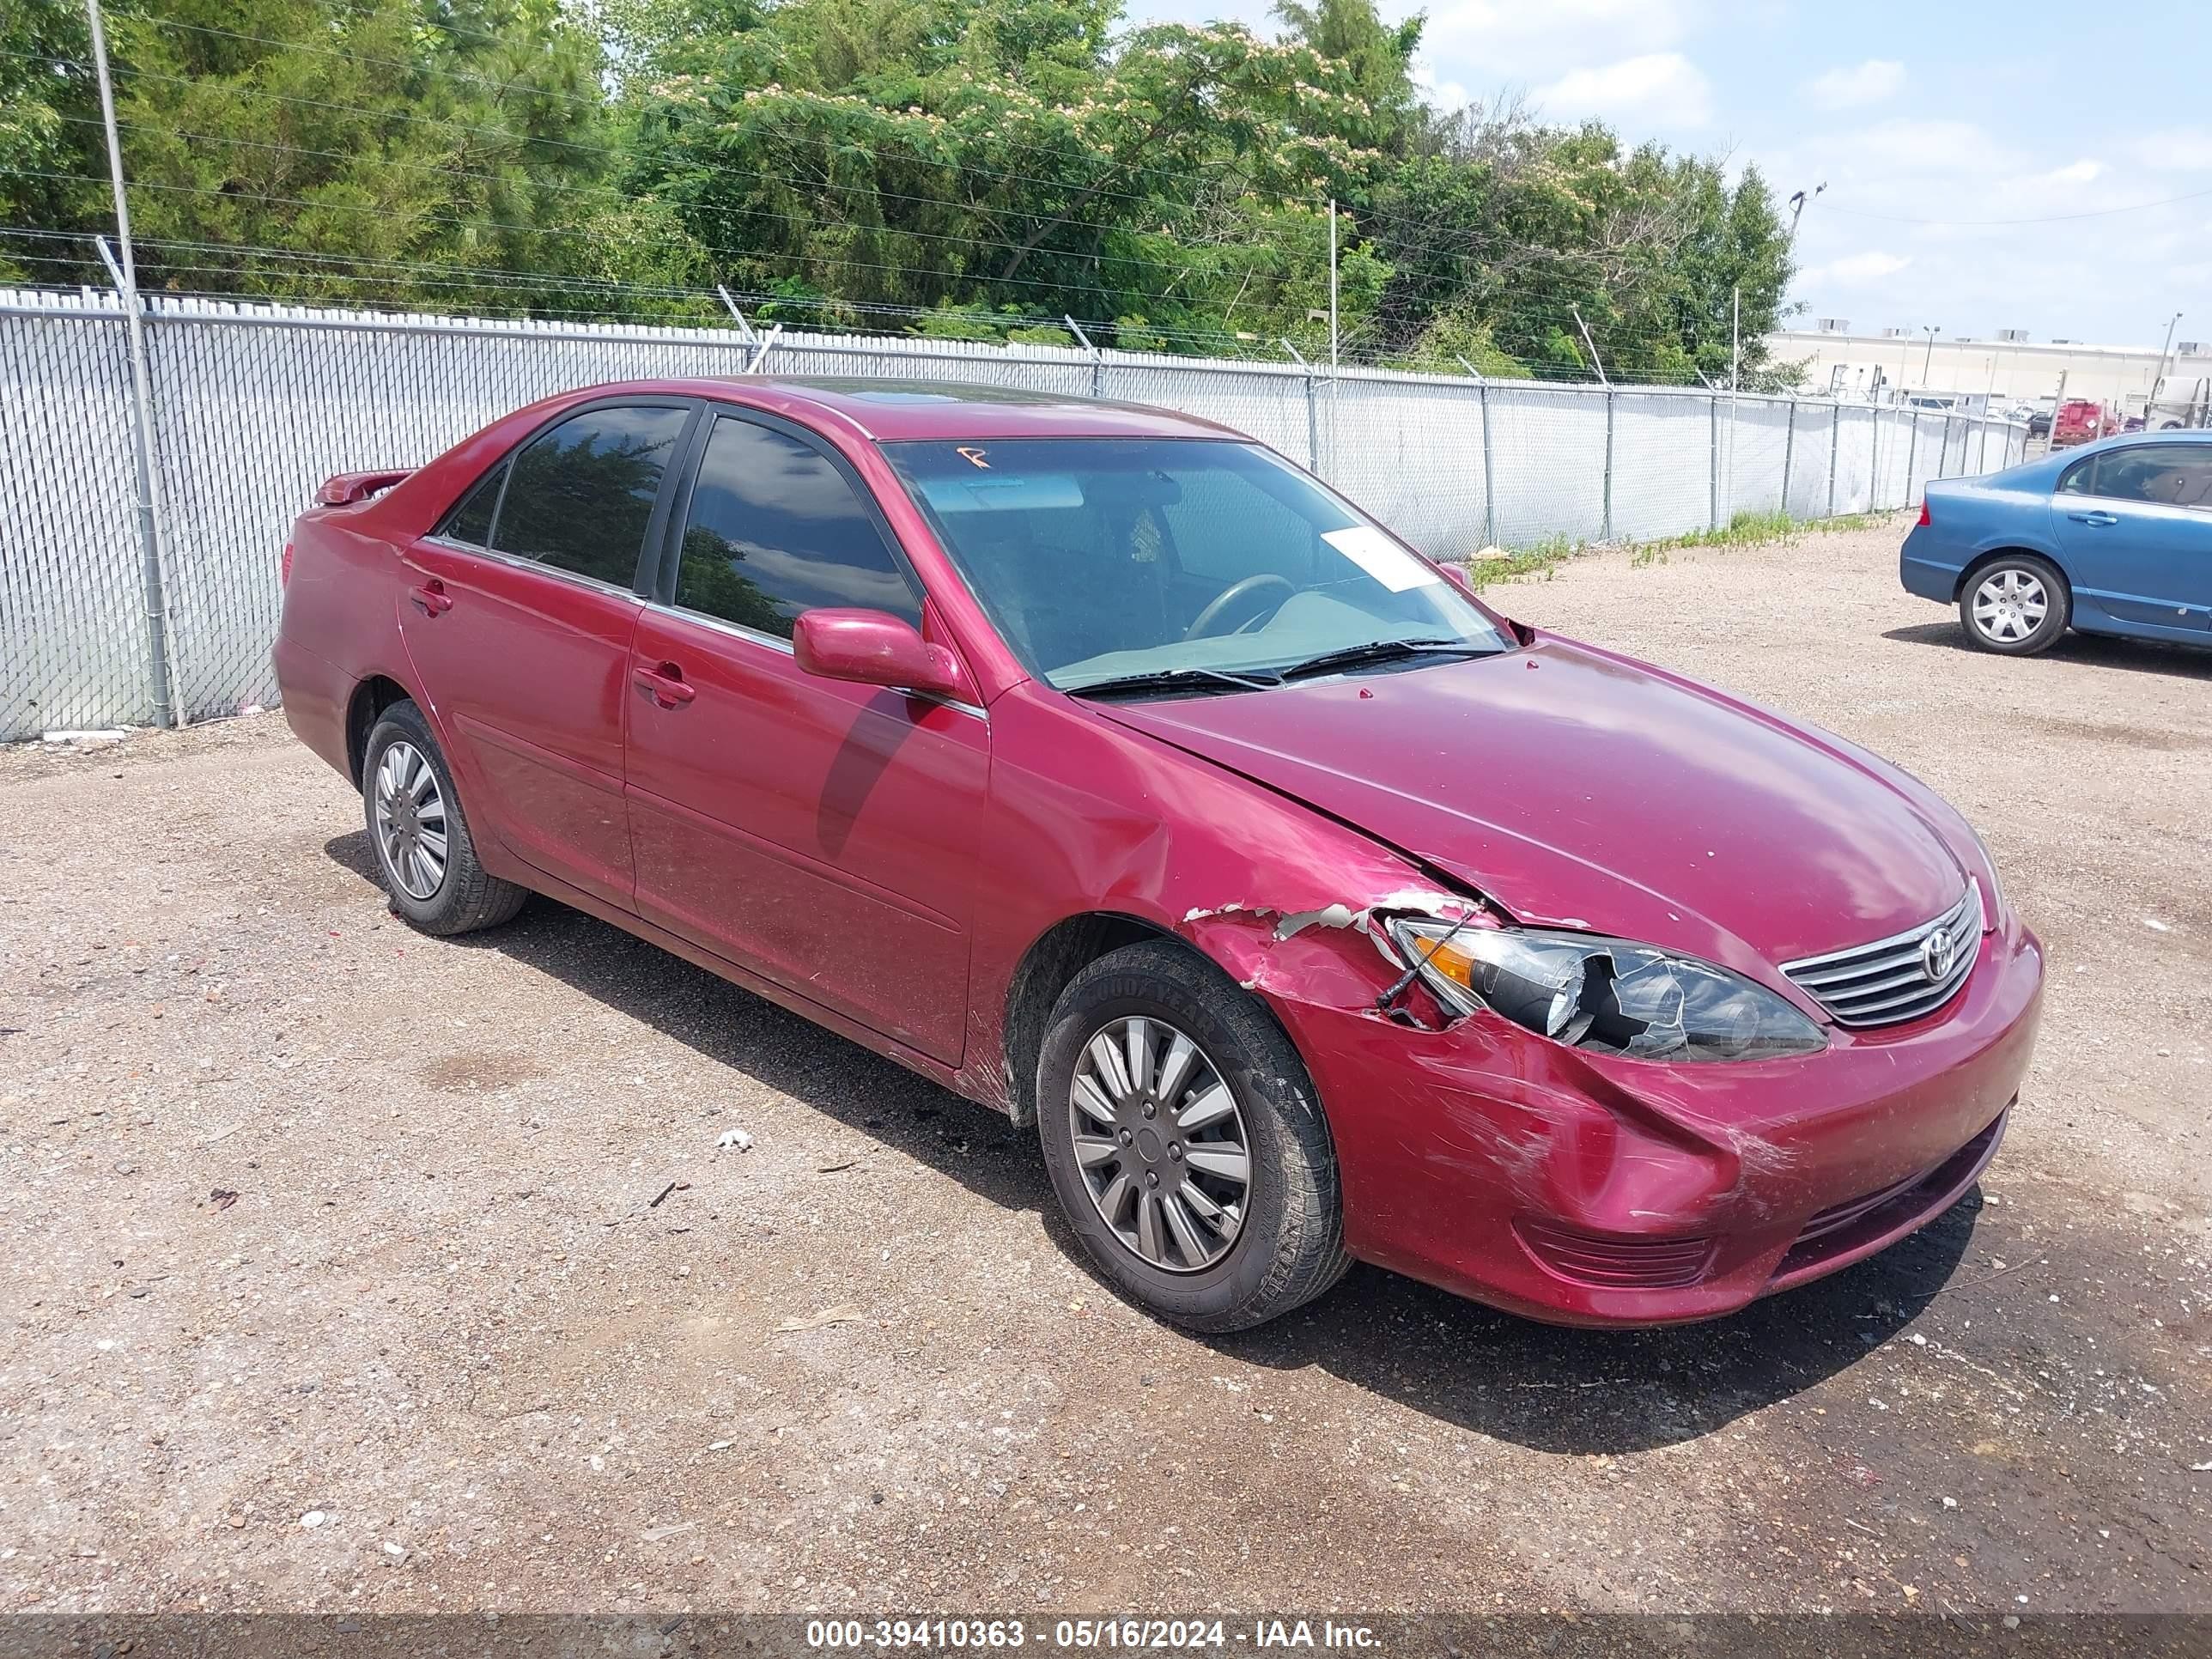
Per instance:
x=1176, y=175
x=608, y=191
x=782, y=131
x=709, y=299
x=2046, y=219
x=778, y=129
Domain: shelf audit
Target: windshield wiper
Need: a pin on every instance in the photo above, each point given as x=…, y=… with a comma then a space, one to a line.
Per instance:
x=1172, y=679
x=1354, y=656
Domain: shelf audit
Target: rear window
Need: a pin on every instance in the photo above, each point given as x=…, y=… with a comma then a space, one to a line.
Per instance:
x=471, y=522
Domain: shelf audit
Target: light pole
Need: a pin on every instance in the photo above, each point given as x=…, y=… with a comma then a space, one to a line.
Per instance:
x=1797, y=203
x=1931, y=330
x=2162, y=353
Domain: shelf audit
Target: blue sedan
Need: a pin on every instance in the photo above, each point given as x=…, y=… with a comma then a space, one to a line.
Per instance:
x=2113, y=538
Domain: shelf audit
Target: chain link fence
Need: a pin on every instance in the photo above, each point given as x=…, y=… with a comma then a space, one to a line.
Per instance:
x=253, y=405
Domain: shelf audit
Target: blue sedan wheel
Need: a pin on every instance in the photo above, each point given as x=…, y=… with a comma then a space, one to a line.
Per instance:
x=2016, y=606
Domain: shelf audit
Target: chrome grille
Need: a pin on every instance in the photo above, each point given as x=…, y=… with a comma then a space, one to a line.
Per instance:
x=1896, y=978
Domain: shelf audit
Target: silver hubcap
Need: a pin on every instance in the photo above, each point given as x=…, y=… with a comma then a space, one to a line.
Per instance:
x=1161, y=1145
x=2010, y=605
x=411, y=821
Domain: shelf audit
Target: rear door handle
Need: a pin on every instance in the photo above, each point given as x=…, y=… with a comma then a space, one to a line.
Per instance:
x=431, y=598
x=2099, y=520
x=663, y=683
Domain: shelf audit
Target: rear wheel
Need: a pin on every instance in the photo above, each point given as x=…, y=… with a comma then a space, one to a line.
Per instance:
x=2015, y=605
x=1185, y=1142
x=424, y=852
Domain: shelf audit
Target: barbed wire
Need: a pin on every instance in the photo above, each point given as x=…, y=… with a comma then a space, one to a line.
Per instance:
x=1361, y=342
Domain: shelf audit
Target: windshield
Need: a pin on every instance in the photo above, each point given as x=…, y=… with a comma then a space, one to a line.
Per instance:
x=1104, y=558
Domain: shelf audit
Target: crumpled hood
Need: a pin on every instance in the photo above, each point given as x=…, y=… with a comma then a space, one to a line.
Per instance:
x=1580, y=789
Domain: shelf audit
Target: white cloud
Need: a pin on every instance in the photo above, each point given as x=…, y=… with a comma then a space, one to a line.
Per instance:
x=2177, y=149
x=1909, y=145
x=1662, y=88
x=1857, y=270
x=1514, y=39
x=1865, y=83
x=1446, y=95
x=2077, y=173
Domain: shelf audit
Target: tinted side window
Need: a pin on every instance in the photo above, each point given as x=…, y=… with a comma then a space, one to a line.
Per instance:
x=582, y=492
x=471, y=521
x=2075, y=480
x=2170, y=474
x=775, y=529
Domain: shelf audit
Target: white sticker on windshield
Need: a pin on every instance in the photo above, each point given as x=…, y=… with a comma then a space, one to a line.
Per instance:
x=1381, y=558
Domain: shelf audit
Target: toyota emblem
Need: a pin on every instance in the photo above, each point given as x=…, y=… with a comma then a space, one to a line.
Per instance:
x=1937, y=952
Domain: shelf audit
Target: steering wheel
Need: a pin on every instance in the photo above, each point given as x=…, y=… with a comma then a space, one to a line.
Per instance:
x=1236, y=590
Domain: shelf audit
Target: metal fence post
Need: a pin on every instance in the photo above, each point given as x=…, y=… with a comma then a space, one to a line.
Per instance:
x=1874, y=466
x=1911, y=454
x=1835, y=443
x=1713, y=460
x=1097, y=364
x=1313, y=429
x=161, y=680
x=1788, y=453
x=1606, y=532
x=1489, y=478
x=766, y=345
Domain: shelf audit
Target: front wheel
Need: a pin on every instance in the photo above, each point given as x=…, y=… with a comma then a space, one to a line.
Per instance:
x=1186, y=1144
x=425, y=852
x=2015, y=605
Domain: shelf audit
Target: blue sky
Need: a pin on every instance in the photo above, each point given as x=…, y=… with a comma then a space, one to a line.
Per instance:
x=1942, y=112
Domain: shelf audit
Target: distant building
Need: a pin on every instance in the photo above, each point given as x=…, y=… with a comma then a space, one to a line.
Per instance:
x=2005, y=367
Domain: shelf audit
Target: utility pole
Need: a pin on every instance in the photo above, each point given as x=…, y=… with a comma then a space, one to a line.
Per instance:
x=1332, y=285
x=1735, y=338
x=160, y=691
x=2163, y=351
x=1931, y=330
x=1797, y=209
x=1332, y=372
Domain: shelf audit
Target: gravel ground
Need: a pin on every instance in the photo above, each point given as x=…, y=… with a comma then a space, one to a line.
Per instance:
x=349, y=1269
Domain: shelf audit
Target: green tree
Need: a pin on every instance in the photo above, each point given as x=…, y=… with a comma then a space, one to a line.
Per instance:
x=52, y=167
x=969, y=169
x=970, y=156
x=1377, y=56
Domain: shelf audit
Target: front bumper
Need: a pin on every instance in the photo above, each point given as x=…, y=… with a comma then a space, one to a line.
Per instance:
x=1468, y=1154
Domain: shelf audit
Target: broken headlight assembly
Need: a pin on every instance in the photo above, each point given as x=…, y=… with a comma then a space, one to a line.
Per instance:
x=1605, y=995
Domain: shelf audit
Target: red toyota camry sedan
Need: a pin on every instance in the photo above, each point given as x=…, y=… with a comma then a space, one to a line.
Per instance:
x=1109, y=769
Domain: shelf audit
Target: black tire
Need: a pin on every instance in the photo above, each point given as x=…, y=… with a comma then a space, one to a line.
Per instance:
x=1987, y=631
x=1289, y=1246
x=464, y=898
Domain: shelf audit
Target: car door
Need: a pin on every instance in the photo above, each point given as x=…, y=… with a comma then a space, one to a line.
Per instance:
x=518, y=618
x=820, y=833
x=2135, y=524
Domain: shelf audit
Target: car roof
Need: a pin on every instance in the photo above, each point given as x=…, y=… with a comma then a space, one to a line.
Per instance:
x=889, y=410
x=2135, y=440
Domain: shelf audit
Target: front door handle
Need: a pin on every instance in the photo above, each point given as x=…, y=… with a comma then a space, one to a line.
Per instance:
x=431, y=598
x=2099, y=520
x=663, y=683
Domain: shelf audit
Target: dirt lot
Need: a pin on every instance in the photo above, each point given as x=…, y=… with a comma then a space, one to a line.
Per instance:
x=337, y=1277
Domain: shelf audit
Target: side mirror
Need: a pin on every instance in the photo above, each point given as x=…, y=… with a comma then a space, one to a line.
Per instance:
x=873, y=648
